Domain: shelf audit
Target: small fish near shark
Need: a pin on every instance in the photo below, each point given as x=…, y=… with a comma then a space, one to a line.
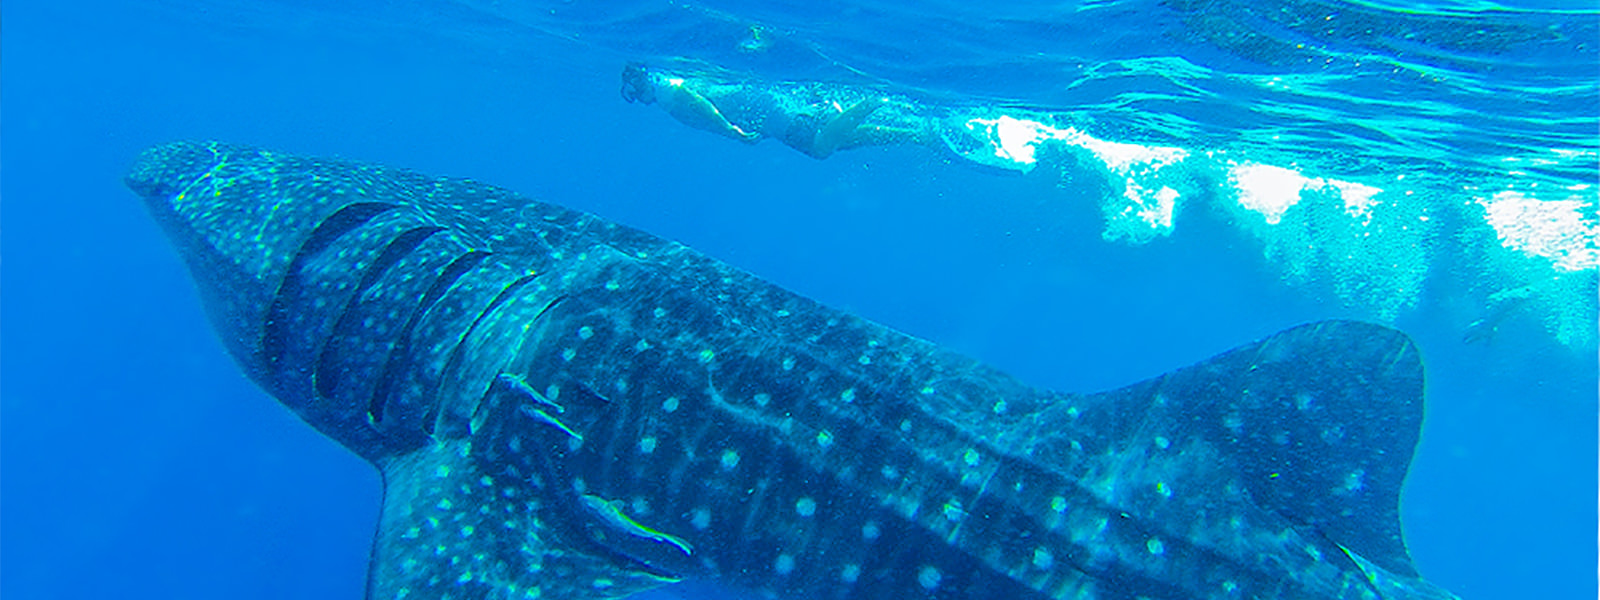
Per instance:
x=570, y=409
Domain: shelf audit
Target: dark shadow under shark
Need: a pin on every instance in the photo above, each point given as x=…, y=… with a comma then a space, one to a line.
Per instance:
x=570, y=409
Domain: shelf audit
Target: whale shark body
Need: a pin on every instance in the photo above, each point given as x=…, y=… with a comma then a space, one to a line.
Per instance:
x=570, y=409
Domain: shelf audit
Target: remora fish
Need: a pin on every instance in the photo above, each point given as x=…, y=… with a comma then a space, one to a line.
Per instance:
x=570, y=409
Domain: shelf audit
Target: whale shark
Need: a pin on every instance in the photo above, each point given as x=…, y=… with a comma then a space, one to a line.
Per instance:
x=566, y=408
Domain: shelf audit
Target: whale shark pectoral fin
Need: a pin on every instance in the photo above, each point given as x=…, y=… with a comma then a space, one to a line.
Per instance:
x=451, y=528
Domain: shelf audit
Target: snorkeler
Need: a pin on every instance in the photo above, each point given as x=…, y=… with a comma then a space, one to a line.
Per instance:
x=815, y=119
x=1500, y=306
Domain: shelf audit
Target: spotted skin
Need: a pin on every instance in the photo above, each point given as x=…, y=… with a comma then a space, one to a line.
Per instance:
x=566, y=408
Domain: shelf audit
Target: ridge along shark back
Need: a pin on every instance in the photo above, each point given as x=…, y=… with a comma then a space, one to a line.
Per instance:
x=566, y=408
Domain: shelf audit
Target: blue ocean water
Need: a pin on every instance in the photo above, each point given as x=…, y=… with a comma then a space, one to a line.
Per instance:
x=137, y=462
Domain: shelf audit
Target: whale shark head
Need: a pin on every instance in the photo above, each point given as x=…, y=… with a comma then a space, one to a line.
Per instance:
x=318, y=277
x=220, y=238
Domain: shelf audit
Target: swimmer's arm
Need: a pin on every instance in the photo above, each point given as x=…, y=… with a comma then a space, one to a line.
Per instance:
x=694, y=110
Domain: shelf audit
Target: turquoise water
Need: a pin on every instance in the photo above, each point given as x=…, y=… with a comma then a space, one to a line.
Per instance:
x=138, y=463
x=1445, y=132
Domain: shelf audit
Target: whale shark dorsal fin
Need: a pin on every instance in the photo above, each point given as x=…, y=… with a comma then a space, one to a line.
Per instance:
x=1314, y=426
x=450, y=530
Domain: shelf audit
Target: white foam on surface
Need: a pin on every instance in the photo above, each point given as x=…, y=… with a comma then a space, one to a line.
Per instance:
x=1012, y=142
x=1269, y=190
x=1272, y=190
x=1372, y=240
x=1154, y=207
x=1017, y=140
x=1554, y=229
x=1122, y=157
x=1358, y=198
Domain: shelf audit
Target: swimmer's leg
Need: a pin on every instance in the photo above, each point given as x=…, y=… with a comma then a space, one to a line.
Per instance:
x=884, y=135
x=841, y=130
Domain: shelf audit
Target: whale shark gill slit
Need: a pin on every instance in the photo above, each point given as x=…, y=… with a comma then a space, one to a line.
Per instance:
x=326, y=375
x=399, y=355
x=436, y=404
x=275, y=335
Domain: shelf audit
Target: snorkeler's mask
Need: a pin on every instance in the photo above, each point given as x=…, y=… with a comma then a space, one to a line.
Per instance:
x=636, y=84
